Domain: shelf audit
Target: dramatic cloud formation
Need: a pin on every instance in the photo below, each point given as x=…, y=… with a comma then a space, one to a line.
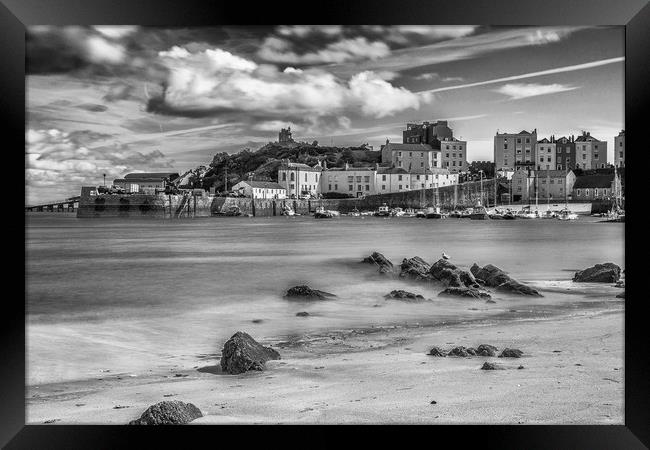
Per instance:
x=214, y=81
x=280, y=50
x=517, y=91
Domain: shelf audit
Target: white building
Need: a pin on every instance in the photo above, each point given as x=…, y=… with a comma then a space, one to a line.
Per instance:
x=545, y=154
x=411, y=157
x=261, y=189
x=299, y=179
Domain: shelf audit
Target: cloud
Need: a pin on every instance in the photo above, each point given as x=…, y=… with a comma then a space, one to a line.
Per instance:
x=518, y=91
x=55, y=159
x=116, y=31
x=303, y=31
x=213, y=82
x=52, y=49
x=427, y=76
x=279, y=50
x=582, y=66
x=379, y=98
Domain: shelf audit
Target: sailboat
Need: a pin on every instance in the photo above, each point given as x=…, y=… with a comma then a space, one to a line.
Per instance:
x=434, y=213
x=616, y=214
x=549, y=214
x=566, y=214
x=479, y=212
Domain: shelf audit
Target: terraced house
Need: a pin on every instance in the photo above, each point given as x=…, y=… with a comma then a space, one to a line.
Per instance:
x=591, y=153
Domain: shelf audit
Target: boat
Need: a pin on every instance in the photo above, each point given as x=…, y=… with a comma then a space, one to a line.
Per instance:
x=421, y=213
x=287, y=211
x=509, y=215
x=479, y=213
x=434, y=213
x=565, y=214
x=496, y=215
x=233, y=211
x=397, y=212
x=354, y=213
x=409, y=212
x=322, y=213
x=383, y=211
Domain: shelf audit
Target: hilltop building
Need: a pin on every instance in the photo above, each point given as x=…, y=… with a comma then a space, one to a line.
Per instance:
x=565, y=153
x=591, y=153
x=545, y=154
x=439, y=137
x=515, y=150
x=284, y=136
x=619, y=149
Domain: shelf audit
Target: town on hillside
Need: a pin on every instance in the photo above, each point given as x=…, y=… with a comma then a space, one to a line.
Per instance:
x=429, y=156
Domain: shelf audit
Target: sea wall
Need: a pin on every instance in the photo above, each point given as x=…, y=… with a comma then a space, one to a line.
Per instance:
x=179, y=206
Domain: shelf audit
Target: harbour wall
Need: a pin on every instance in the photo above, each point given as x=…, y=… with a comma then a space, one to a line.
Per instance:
x=180, y=206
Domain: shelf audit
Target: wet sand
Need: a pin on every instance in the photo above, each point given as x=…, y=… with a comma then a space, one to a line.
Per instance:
x=573, y=374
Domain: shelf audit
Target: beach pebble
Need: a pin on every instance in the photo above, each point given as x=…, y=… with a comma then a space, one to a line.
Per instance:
x=433, y=402
x=306, y=293
x=490, y=366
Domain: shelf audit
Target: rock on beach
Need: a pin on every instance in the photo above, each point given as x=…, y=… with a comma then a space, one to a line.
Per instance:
x=172, y=412
x=470, y=292
x=399, y=294
x=511, y=353
x=492, y=276
x=600, y=273
x=242, y=353
x=385, y=266
x=304, y=292
x=415, y=268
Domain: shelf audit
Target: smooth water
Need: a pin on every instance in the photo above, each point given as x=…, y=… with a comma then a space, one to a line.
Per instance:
x=131, y=295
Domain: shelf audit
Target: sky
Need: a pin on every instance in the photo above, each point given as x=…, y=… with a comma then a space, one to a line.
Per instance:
x=118, y=99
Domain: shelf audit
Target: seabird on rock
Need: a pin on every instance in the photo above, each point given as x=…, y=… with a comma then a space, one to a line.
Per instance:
x=444, y=256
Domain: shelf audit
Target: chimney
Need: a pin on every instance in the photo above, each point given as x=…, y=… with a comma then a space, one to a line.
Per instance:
x=572, y=138
x=387, y=141
x=376, y=166
x=324, y=164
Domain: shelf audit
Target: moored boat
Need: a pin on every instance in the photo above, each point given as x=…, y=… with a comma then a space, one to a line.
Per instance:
x=479, y=213
x=565, y=214
x=322, y=213
x=383, y=211
x=434, y=213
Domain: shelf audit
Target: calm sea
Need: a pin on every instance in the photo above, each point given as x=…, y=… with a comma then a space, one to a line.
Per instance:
x=131, y=295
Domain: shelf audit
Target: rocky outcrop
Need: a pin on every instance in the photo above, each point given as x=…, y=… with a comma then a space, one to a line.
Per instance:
x=415, y=268
x=168, y=413
x=511, y=353
x=404, y=295
x=306, y=293
x=462, y=351
x=242, y=353
x=492, y=276
x=491, y=366
x=486, y=350
x=600, y=273
x=447, y=273
x=470, y=292
x=384, y=264
x=437, y=351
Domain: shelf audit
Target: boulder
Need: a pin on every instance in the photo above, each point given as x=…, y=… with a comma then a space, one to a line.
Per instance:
x=385, y=266
x=437, y=351
x=172, y=412
x=511, y=353
x=486, y=350
x=464, y=292
x=306, y=293
x=492, y=276
x=600, y=273
x=447, y=273
x=242, y=353
x=490, y=366
x=415, y=268
x=404, y=295
x=302, y=314
x=460, y=351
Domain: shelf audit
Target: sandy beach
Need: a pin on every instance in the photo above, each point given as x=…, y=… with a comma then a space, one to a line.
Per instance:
x=572, y=374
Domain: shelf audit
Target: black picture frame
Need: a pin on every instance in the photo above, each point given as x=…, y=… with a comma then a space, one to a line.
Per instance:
x=15, y=15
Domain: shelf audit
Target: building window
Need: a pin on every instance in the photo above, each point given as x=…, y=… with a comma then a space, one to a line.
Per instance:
x=305, y=178
x=417, y=177
x=518, y=140
x=421, y=155
x=383, y=178
x=505, y=146
x=447, y=147
x=527, y=140
x=329, y=187
x=400, y=186
x=548, y=159
x=350, y=179
x=292, y=186
x=399, y=177
x=421, y=164
x=383, y=187
x=367, y=187
x=366, y=179
x=410, y=154
x=399, y=153
x=399, y=164
x=595, y=155
x=541, y=159
x=358, y=187
x=358, y=179
x=336, y=187
x=293, y=176
x=350, y=188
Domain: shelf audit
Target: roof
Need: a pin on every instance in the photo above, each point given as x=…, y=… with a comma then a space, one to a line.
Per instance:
x=392, y=170
x=594, y=181
x=262, y=184
x=137, y=180
x=587, y=138
x=301, y=166
x=149, y=175
x=410, y=147
x=544, y=141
